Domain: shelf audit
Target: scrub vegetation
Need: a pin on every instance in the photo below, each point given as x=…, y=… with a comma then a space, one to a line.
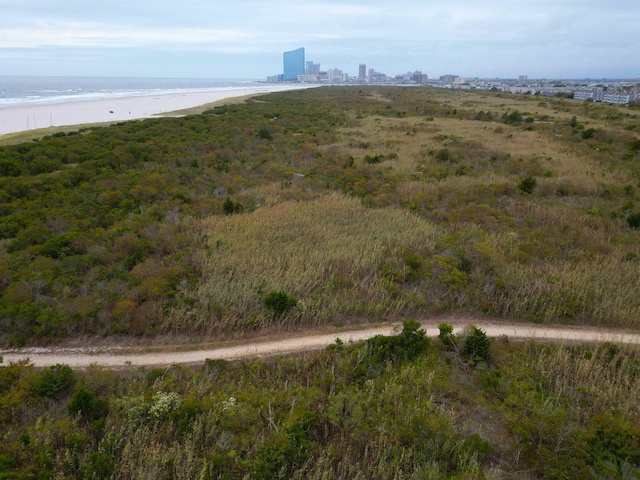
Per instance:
x=361, y=203
x=399, y=406
x=316, y=207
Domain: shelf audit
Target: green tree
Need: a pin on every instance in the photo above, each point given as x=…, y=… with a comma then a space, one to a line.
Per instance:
x=476, y=345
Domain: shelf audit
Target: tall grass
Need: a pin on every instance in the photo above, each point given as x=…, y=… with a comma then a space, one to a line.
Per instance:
x=601, y=378
x=328, y=253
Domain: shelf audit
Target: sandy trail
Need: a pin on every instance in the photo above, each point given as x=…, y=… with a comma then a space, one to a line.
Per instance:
x=84, y=357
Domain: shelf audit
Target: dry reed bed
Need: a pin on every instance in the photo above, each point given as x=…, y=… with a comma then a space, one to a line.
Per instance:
x=603, y=379
x=328, y=253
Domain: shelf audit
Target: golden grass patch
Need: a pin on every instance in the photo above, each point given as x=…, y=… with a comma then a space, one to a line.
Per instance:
x=328, y=253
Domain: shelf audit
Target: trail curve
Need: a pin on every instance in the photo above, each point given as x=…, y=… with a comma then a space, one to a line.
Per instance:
x=85, y=357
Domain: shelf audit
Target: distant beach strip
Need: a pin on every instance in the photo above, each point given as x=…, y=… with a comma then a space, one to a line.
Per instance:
x=20, y=118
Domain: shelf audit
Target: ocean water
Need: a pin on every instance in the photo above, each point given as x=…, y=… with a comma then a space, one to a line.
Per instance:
x=18, y=90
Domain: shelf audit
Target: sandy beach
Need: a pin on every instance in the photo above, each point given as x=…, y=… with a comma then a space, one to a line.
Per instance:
x=43, y=115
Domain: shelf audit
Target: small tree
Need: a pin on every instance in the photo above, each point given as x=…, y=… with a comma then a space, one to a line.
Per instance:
x=476, y=345
x=279, y=303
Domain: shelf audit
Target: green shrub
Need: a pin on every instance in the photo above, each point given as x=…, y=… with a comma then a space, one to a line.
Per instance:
x=634, y=220
x=99, y=465
x=229, y=207
x=82, y=402
x=446, y=334
x=407, y=345
x=588, y=133
x=54, y=380
x=377, y=158
x=527, y=184
x=513, y=118
x=476, y=345
x=279, y=303
x=444, y=156
x=265, y=134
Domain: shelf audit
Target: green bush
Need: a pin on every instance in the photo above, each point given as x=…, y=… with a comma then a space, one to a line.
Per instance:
x=476, y=345
x=86, y=404
x=407, y=345
x=446, y=334
x=527, y=184
x=265, y=134
x=634, y=220
x=279, y=303
x=229, y=207
x=513, y=118
x=54, y=380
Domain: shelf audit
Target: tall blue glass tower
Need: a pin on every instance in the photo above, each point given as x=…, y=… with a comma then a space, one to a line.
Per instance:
x=293, y=64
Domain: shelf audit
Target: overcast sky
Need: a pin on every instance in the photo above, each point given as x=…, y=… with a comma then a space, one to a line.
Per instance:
x=246, y=38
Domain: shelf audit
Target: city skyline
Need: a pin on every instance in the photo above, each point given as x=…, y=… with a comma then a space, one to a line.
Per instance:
x=245, y=39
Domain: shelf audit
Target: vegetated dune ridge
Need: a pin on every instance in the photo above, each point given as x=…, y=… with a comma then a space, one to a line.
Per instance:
x=84, y=357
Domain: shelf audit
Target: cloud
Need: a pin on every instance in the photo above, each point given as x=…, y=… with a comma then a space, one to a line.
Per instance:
x=466, y=36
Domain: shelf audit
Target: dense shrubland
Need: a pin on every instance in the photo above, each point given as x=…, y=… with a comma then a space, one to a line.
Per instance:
x=400, y=406
x=362, y=203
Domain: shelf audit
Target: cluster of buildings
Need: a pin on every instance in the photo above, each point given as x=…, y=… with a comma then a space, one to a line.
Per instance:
x=612, y=92
x=615, y=92
x=599, y=95
x=297, y=69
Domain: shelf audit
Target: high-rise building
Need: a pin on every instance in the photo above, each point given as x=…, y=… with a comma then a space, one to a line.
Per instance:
x=362, y=72
x=308, y=69
x=335, y=75
x=293, y=64
x=448, y=79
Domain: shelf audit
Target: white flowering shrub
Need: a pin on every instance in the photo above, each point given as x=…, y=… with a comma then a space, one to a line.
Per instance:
x=164, y=403
x=229, y=403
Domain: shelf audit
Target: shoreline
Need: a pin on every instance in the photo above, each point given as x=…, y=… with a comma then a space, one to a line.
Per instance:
x=24, y=118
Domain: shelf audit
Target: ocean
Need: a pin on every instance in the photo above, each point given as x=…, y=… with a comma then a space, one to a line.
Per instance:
x=22, y=90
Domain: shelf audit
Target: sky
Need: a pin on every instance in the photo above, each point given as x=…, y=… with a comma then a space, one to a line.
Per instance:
x=245, y=39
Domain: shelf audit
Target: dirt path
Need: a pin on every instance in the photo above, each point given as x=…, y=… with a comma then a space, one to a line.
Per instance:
x=84, y=357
